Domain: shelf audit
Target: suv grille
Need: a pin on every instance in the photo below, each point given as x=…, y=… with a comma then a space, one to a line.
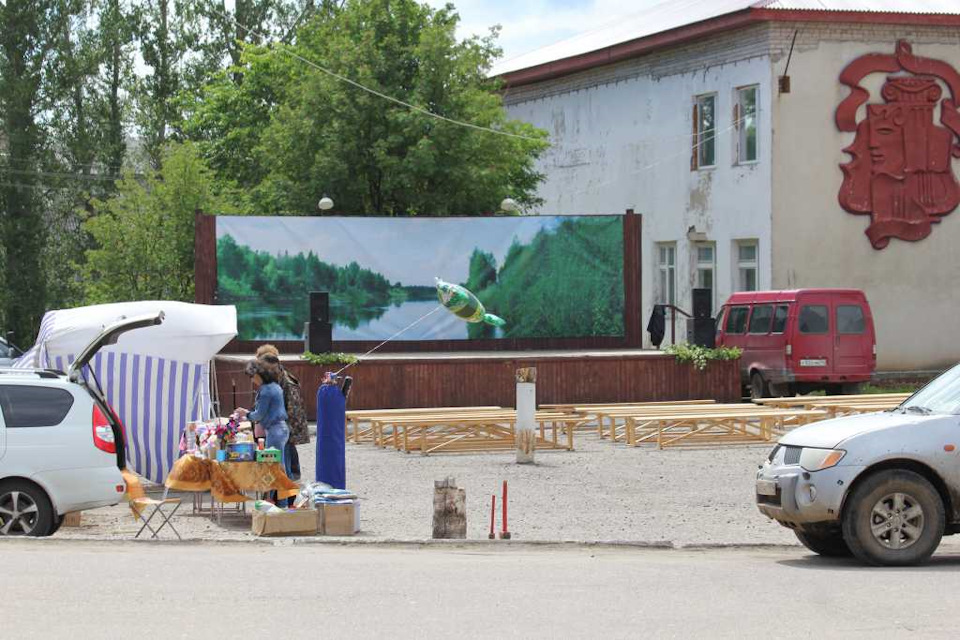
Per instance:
x=791, y=455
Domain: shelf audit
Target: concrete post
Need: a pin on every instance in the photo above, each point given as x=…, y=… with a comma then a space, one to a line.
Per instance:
x=526, y=425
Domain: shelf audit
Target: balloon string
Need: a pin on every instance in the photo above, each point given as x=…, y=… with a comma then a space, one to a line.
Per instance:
x=398, y=333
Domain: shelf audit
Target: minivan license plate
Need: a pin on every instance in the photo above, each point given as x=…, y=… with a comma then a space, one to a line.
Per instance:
x=766, y=487
x=813, y=363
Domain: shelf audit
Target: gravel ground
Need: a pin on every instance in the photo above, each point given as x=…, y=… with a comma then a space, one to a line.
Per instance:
x=601, y=492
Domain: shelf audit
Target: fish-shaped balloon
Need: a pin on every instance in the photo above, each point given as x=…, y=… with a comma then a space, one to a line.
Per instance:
x=465, y=305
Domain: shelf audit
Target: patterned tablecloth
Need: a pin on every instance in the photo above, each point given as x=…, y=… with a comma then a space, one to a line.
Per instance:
x=226, y=480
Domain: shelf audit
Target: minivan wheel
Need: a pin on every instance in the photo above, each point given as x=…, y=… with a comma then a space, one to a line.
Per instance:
x=25, y=510
x=894, y=518
x=758, y=388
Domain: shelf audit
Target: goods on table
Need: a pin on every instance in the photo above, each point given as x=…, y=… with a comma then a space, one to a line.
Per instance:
x=241, y=452
x=269, y=455
x=207, y=438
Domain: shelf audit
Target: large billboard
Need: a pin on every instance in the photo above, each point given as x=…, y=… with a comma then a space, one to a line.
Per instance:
x=548, y=277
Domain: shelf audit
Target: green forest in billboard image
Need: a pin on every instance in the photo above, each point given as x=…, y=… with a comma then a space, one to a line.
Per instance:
x=548, y=277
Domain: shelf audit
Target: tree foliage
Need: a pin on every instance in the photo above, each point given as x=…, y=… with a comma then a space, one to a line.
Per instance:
x=144, y=234
x=291, y=132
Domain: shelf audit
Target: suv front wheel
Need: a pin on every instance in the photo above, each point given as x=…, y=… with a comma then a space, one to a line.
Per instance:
x=894, y=518
x=827, y=543
x=25, y=510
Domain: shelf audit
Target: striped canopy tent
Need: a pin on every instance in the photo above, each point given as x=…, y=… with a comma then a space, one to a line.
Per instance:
x=157, y=379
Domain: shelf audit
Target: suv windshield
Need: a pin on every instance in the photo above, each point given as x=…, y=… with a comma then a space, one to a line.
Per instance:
x=940, y=396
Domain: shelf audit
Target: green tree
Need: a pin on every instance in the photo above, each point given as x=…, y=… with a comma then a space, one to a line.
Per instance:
x=165, y=40
x=29, y=34
x=144, y=233
x=289, y=131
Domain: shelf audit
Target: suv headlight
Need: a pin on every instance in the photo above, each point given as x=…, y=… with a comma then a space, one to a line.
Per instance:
x=820, y=459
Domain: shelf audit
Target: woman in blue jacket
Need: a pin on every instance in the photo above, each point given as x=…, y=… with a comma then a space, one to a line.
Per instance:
x=269, y=410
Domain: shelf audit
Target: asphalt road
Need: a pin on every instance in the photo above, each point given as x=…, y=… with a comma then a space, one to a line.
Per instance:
x=51, y=589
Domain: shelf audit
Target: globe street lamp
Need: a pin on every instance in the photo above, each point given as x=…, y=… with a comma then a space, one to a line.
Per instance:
x=325, y=204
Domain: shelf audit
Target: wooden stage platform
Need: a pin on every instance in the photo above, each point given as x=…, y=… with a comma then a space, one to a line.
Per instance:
x=442, y=379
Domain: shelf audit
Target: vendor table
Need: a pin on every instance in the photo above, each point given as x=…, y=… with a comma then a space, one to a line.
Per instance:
x=227, y=481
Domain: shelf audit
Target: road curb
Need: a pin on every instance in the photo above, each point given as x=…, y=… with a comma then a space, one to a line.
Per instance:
x=398, y=543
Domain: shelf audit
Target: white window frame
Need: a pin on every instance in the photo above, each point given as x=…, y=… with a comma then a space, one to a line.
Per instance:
x=741, y=124
x=666, y=273
x=742, y=266
x=710, y=266
x=700, y=135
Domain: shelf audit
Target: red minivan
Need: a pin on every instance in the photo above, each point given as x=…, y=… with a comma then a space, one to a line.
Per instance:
x=800, y=341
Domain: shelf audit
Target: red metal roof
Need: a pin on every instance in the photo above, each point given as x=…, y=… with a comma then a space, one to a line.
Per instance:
x=677, y=21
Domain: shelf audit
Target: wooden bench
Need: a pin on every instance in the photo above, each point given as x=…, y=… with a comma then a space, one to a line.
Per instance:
x=356, y=417
x=837, y=409
x=715, y=427
x=472, y=432
x=803, y=401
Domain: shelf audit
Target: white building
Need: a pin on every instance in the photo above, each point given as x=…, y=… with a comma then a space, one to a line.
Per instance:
x=680, y=112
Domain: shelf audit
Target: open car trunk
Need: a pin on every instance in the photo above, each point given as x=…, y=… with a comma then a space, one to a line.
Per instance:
x=81, y=373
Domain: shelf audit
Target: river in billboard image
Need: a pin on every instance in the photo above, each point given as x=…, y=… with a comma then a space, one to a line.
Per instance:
x=548, y=277
x=285, y=321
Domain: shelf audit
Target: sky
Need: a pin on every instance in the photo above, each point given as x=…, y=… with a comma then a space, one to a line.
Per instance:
x=405, y=250
x=530, y=24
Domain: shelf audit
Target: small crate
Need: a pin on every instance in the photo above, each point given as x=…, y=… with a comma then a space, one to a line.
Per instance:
x=269, y=455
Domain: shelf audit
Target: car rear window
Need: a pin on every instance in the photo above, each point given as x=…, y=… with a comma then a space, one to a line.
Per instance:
x=780, y=319
x=850, y=319
x=29, y=406
x=760, y=319
x=814, y=318
x=737, y=319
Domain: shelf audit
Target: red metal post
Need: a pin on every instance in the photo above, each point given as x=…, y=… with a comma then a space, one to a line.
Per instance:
x=505, y=533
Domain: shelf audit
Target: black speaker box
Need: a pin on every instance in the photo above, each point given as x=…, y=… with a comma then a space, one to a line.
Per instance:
x=319, y=337
x=704, y=332
x=702, y=303
x=319, y=307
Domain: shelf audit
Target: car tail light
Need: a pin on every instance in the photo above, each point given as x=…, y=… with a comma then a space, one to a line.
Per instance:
x=103, y=432
x=789, y=350
x=123, y=429
x=874, y=349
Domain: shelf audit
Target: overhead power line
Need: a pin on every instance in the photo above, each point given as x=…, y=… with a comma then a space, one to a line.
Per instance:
x=374, y=92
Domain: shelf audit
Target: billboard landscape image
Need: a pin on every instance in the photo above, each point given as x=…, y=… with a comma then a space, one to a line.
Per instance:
x=548, y=277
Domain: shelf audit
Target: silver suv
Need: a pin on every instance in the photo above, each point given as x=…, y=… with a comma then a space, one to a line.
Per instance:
x=884, y=487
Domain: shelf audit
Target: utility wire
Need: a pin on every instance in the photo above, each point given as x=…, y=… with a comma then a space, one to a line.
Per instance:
x=374, y=92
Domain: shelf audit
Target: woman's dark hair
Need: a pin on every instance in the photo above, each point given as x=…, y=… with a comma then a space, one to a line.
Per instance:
x=257, y=368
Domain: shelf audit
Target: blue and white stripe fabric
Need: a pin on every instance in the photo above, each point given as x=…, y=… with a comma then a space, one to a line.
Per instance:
x=155, y=397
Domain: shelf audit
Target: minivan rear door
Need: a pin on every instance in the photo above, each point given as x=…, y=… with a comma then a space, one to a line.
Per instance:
x=853, y=338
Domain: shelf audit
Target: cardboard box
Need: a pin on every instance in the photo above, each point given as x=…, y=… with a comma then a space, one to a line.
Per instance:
x=71, y=519
x=339, y=519
x=302, y=522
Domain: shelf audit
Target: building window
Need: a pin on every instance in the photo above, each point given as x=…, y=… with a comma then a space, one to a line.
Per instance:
x=747, y=265
x=745, y=115
x=667, y=268
x=705, y=132
x=706, y=263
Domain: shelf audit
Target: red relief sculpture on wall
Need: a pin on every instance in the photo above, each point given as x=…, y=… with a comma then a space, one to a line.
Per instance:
x=900, y=170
